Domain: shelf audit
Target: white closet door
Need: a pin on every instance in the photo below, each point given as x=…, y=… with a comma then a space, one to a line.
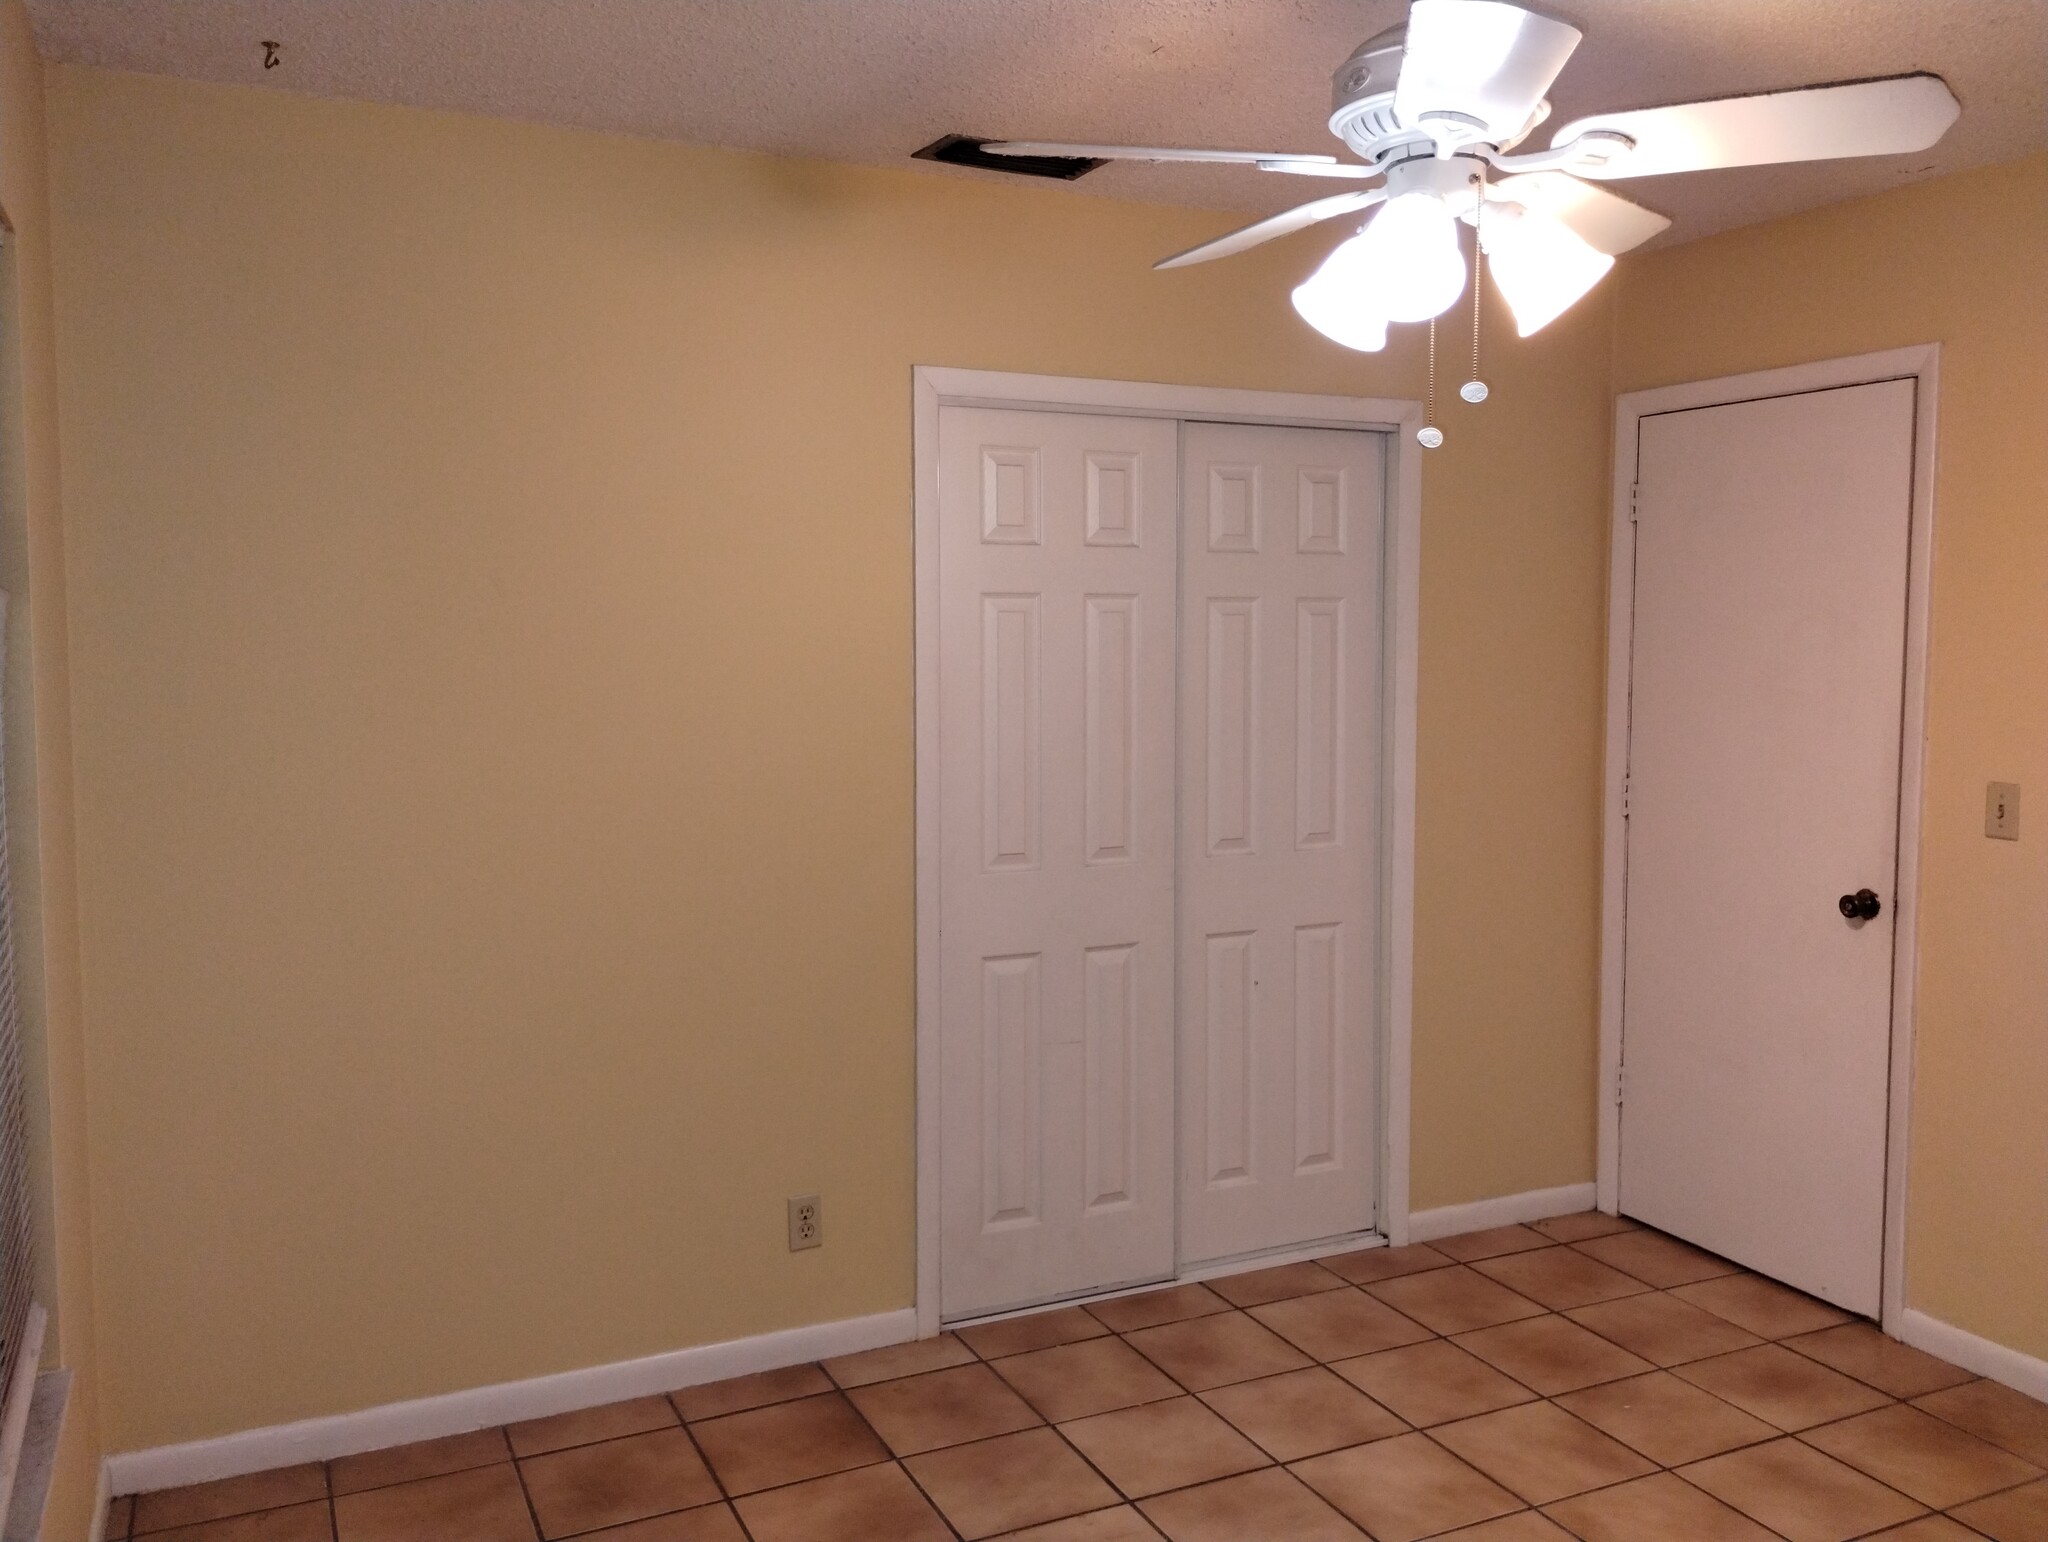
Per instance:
x=1056, y=689
x=1280, y=673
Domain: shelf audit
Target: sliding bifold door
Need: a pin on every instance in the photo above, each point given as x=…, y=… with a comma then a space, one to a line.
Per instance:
x=1159, y=672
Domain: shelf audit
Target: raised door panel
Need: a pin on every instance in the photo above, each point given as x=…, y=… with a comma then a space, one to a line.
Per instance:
x=1057, y=555
x=1280, y=672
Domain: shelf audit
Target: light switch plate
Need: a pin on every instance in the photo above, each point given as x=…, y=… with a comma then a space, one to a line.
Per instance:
x=2002, y=811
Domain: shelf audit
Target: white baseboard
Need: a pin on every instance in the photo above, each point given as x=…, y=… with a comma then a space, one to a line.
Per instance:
x=2020, y=1371
x=397, y=1424
x=102, y=1496
x=1506, y=1210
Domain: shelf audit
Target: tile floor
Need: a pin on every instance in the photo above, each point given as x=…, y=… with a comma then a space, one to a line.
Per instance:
x=1582, y=1378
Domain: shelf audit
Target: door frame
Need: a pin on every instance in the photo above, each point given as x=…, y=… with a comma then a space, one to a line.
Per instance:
x=1920, y=364
x=934, y=387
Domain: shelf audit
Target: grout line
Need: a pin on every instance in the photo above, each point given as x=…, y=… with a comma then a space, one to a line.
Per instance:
x=896, y=1461
x=717, y=1482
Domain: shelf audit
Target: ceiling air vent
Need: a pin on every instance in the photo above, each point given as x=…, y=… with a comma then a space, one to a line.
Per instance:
x=959, y=150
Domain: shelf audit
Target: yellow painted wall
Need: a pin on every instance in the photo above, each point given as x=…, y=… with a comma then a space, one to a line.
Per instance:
x=491, y=585
x=1962, y=261
x=39, y=783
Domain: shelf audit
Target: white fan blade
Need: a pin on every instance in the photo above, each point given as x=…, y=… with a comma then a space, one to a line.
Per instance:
x=1605, y=221
x=1815, y=123
x=1155, y=153
x=1480, y=58
x=1300, y=217
x=1350, y=171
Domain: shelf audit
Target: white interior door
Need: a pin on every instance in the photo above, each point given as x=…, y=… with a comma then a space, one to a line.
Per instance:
x=1765, y=705
x=1056, y=691
x=1280, y=672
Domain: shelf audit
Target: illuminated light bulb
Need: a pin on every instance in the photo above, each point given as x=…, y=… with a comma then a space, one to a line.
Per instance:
x=1542, y=266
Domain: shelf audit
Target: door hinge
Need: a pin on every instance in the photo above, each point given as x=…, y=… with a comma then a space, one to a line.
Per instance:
x=1626, y=784
x=1635, y=490
x=1620, y=1085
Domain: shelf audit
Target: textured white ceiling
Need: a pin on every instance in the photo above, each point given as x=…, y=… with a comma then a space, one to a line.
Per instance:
x=871, y=80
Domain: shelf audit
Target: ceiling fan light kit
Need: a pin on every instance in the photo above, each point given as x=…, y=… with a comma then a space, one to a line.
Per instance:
x=1433, y=109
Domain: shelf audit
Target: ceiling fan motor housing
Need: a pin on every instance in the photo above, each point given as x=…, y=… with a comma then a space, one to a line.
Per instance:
x=1362, y=98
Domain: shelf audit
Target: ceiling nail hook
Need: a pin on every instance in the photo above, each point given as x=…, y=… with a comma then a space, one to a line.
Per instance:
x=270, y=54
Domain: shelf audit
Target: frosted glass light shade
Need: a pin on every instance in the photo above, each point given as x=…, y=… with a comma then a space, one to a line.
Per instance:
x=1404, y=266
x=1338, y=301
x=1542, y=266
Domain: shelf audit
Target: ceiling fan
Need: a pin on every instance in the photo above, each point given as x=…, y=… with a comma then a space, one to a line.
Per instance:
x=1433, y=109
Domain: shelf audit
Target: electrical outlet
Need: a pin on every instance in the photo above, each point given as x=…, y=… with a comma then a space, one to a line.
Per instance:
x=2002, y=811
x=806, y=1222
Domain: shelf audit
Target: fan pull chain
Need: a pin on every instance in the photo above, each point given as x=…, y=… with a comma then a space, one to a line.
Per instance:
x=1474, y=390
x=1429, y=436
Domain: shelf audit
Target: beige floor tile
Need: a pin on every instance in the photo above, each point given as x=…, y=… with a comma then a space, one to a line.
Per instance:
x=294, y=1523
x=757, y=1391
x=1551, y=1354
x=1663, y=1329
x=1857, y=1349
x=1406, y=1488
x=873, y=1504
x=1123, y=1524
x=1559, y=1277
x=1662, y=1508
x=586, y=1426
x=421, y=1459
x=893, y=1360
x=1259, y=1286
x=1997, y=1414
x=1040, y=1330
x=2018, y=1515
x=585, y=1487
x=483, y=1504
x=1800, y=1493
x=1540, y=1452
x=1470, y=1246
x=941, y=1408
x=1370, y=1265
x=1148, y=1309
x=1764, y=1307
x=706, y=1523
x=1918, y=1454
x=1254, y=1505
x=786, y=1443
x=1073, y=1381
x=1432, y=1383
x=1009, y=1483
x=1670, y=1421
x=270, y=1490
x=1788, y=1390
x=1339, y=1324
x=1654, y=1258
x=1303, y=1413
x=1581, y=1227
x=1211, y=1351
x=1160, y=1446
x=1453, y=1300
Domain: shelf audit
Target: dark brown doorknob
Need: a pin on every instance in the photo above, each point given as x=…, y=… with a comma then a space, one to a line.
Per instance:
x=1863, y=905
